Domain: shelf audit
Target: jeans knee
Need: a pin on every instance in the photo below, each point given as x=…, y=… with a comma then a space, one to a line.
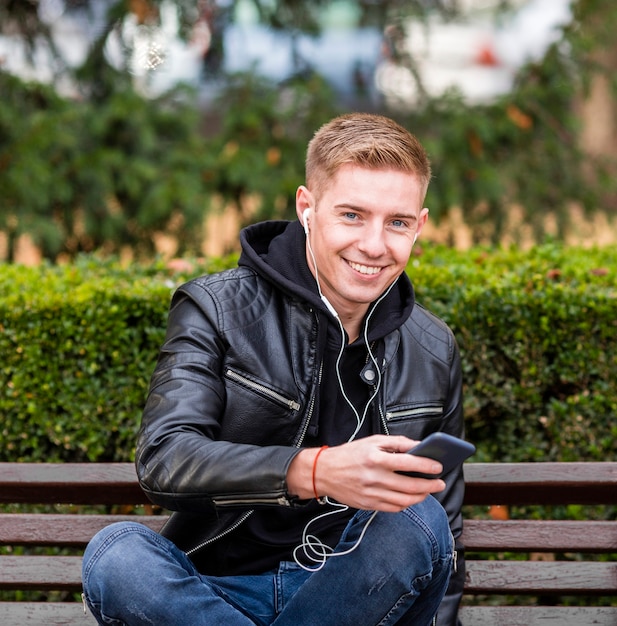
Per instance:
x=431, y=515
x=113, y=553
x=425, y=530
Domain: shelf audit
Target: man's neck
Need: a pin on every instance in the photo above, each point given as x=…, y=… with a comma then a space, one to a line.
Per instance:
x=352, y=323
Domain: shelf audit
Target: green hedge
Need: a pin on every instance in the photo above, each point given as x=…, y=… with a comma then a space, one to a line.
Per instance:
x=538, y=338
x=537, y=331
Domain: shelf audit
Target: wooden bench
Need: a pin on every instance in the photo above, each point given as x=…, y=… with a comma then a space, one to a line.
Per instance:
x=499, y=577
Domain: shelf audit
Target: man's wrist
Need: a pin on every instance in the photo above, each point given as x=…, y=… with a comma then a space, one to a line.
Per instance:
x=314, y=472
x=303, y=474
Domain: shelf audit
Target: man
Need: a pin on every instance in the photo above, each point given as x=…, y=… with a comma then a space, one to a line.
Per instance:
x=285, y=397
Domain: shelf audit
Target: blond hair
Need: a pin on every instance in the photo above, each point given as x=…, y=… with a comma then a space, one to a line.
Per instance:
x=366, y=140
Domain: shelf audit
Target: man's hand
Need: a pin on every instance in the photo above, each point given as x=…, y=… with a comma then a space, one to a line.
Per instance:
x=362, y=474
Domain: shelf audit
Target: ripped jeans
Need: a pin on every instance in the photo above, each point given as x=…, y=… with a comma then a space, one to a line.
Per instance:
x=397, y=574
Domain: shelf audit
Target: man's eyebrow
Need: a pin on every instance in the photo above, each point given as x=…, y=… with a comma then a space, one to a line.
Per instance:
x=405, y=216
x=349, y=205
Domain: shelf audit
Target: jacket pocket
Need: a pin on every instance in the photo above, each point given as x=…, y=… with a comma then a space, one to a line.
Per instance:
x=414, y=421
x=257, y=413
x=262, y=389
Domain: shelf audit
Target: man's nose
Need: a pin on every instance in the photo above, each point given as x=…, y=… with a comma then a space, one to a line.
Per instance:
x=373, y=241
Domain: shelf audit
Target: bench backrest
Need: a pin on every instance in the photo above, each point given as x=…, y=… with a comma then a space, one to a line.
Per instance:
x=487, y=484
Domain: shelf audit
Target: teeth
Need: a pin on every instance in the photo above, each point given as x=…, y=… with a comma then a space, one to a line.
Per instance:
x=365, y=269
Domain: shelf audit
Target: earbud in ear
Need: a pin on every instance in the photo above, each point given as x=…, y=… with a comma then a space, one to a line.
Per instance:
x=305, y=215
x=415, y=238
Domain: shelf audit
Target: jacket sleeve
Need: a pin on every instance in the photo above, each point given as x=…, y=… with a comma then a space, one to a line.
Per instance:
x=180, y=460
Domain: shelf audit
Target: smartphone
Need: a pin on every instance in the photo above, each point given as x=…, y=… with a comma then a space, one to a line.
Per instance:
x=448, y=450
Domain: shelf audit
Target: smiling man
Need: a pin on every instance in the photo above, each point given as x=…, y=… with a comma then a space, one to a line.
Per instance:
x=285, y=397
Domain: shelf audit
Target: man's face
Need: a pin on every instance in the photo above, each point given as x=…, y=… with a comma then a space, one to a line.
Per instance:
x=361, y=232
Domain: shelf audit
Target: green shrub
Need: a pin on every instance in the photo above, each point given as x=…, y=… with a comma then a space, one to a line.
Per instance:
x=538, y=338
x=76, y=343
x=537, y=332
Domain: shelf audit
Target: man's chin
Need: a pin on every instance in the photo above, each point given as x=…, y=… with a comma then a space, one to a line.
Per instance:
x=364, y=297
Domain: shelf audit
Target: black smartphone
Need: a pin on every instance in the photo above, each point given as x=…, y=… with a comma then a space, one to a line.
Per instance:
x=448, y=450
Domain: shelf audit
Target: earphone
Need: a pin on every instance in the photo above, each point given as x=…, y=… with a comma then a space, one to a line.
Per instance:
x=325, y=300
x=305, y=215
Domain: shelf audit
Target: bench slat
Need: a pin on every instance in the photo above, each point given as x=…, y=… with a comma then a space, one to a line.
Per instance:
x=40, y=572
x=71, y=614
x=541, y=577
x=489, y=577
x=478, y=535
x=52, y=529
x=540, y=483
x=70, y=483
x=540, y=536
x=494, y=483
x=538, y=616
x=44, y=614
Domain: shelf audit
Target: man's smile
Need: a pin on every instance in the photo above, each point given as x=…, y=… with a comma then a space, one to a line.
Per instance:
x=364, y=269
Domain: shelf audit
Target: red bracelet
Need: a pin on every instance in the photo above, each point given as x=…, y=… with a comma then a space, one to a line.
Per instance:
x=315, y=468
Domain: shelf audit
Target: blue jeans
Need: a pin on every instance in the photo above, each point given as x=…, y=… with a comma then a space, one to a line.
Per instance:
x=398, y=574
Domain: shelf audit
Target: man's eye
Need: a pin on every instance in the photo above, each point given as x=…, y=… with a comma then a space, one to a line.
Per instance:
x=351, y=216
x=398, y=223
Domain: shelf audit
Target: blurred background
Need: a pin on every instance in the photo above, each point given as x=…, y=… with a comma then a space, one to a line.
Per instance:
x=160, y=127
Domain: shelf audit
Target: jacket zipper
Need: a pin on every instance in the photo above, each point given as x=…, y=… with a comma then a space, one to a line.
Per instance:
x=309, y=413
x=291, y=404
x=384, y=422
x=281, y=500
x=222, y=534
x=423, y=410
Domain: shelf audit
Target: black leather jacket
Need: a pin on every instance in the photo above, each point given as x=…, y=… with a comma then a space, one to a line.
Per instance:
x=220, y=429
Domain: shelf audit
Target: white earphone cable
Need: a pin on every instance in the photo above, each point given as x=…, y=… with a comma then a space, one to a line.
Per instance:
x=313, y=548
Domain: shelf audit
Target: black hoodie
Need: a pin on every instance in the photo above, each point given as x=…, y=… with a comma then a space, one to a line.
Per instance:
x=277, y=251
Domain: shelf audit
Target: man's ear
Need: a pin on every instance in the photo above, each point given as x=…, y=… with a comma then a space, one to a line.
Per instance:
x=304, y=200
x=422, y=219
